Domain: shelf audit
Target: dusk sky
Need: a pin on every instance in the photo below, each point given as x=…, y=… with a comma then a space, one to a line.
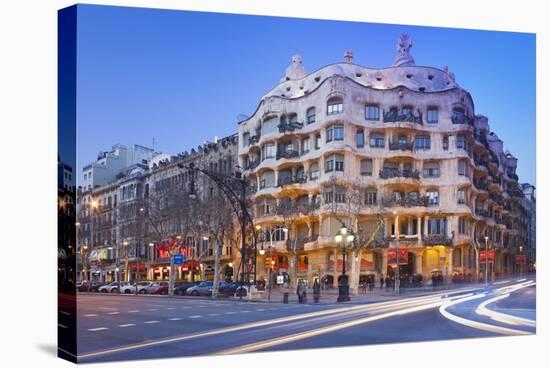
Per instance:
x=181, y=78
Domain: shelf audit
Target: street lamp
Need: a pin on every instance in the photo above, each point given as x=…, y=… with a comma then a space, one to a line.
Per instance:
x=271, y=261
x=397, y=236
x=343, y=238
x=486, y=259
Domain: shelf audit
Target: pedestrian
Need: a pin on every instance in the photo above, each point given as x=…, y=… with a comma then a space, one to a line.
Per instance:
x=381, y=281
x=300, y=291
x=371, y=284
x=316, y=291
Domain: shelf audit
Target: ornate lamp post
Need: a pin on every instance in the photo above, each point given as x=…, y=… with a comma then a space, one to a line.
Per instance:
x=262, y=252
x=486, y=259
x=343, y=239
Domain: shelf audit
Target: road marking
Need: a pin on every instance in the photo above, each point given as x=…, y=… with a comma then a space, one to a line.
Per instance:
x=113, y=313
x=259, y=310
x=133, y=311
x=97, y=329
x=195, y=316
x=149, y=322
x=230, y=312
x=503, y=317
x=175, y=319
x=65, y=313
x=90, y=315
x=171, y=308
x=62, y=326
x=107, y=308
x=127, y=325
x=214, y=314
x=153, y=310
x=245, y=311
x=185, y=307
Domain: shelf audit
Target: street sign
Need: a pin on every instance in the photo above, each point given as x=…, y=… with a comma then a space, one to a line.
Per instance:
x=178, y=259
x=280, y=279
x=403, y=256
x=490, y=258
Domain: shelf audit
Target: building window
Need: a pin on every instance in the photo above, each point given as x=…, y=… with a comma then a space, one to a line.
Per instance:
x=279, y=234
x=305, y=145
x=335, y=132
x=431, y=170
x=360, y=138
x=366, y=167
x=310, y=115
x=422, y=142
x=431, y=116
x=458, y=116
x=372, y=112
x=461, y=142
x=407, y=111
x=433, y=197
x=339, y=197
x=370, y=197
x=377, y=140
x=246, y=139
x=437, y=226
x=334, y=163
x=268, y=151
x=462, y=225
x=461, y=196
x=445, y=143
x=314, y=171
x=317, y=141
x=462, y=167
x=335, y=106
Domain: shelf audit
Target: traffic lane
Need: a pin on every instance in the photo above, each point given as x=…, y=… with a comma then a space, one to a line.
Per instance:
x=525, y=298
x=427, y=325
x=217, y=343
x=111, y=329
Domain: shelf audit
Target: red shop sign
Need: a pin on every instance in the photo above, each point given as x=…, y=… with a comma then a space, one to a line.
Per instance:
x=491, y=256
x=403, y=256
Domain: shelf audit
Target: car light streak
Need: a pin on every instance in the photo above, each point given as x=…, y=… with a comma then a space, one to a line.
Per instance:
x=475, y=324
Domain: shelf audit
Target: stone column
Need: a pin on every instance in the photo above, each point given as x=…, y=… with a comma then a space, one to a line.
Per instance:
x=449, y=264
x=426, y=221
x=354, y=272
x=419, y=231
x=418, y=263
x=449, y=220
x=335, y=269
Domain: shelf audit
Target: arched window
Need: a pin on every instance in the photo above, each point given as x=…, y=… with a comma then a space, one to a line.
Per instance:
x=335, y=106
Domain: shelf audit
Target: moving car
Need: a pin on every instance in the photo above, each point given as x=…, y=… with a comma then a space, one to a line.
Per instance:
x=202, y=289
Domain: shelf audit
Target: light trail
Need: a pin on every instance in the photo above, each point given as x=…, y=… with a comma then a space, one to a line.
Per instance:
x=355, y=309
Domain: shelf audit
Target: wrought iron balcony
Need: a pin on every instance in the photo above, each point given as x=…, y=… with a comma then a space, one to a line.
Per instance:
x=400, y=145
x=496, y=198
x=290, y=127
x=496, y=180
x=462, y=119
x=437, y=239
x=393, y=116
x=254, y=139
x=482, y=212
x=406, y=201
x=287, y=154
x=481, y=185
x=481, y=162
x=250, y=165
x=512, y=176
x=515, y=192
x=298, y=179
x=389, y=173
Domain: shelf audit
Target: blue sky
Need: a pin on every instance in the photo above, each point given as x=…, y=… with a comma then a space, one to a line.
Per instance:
x=181, y=78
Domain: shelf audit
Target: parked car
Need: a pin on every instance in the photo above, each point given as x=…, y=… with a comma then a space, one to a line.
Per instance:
x=151, y=289
x=228, y=288
x=127, y=288
x=82, y=286
x=202, y=289
x=241, y=291
x=143, y=285
x=94, y=287
x=108, y=288
x=181, y=288
x=163, y=290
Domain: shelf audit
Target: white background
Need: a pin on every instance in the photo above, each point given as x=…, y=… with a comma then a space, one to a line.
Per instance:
x=28, y=121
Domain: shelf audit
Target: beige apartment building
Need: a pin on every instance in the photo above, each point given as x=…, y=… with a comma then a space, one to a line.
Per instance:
x=397, y=154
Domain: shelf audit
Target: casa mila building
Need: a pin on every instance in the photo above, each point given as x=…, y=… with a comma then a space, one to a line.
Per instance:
x=399, y=156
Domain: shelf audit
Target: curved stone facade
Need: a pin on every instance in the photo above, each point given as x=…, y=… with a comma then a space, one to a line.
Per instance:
x=370, y=148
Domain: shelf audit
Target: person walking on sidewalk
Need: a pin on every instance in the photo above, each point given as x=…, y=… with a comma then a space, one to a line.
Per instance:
x=381, y=281
x=316, y=291
x=300, y=291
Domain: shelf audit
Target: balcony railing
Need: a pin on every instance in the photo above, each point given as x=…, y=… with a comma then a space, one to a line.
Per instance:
x=515, y=192
x=481, y=162
x=250, y=165
x=437, y=239
x=290, y=127
x=389, y=173
x=481, y=185
x=406, y=201
x=298, y=179
x=496, y=198
x=462, y=119
x=496, y=180
x=512, y=176
x=287, y=154
x=482, y=212
x=393, y=116
x=254, y=139
x=400, y=145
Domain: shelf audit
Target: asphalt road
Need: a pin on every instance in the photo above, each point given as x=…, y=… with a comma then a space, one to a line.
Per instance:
x=123, y=327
